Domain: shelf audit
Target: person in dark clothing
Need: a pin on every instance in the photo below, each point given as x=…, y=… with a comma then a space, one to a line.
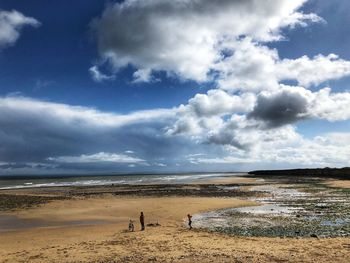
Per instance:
x=142, y=221
x=189, y=221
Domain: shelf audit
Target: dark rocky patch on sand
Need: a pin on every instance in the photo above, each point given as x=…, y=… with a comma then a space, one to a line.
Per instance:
x=13, y=201
x=292, y=207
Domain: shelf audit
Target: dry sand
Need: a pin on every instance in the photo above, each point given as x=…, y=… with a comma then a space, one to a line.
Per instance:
x=121, y=209
x=338, y=183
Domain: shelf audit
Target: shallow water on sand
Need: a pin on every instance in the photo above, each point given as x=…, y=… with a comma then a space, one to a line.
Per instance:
x=283, y=212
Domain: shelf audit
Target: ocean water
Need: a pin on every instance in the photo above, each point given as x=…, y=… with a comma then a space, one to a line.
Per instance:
x=40, y=181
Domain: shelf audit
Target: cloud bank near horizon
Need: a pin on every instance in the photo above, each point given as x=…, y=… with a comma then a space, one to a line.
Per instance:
x=52, y=137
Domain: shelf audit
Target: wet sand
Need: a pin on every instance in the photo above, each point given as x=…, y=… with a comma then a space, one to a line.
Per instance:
x=229, y=180
x=106, y=238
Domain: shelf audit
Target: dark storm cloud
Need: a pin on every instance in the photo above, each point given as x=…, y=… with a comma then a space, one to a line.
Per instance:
x=279, y=109
x=226, y=137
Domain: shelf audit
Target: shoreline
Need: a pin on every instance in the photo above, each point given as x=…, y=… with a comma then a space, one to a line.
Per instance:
x=30, y=182
x=106, y=212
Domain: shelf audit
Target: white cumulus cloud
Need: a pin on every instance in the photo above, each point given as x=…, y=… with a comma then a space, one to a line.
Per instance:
x=185, y=37
x=11, y=23
x=255, y=67
x=98, y=76
x=313, y=71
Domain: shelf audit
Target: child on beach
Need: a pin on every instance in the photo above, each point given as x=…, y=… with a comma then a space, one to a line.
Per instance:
x=131, y=226
x=189, y=221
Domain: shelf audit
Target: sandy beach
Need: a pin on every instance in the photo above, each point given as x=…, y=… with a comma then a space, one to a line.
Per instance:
x=339, y=183
x=175, y=131
x=93, y=228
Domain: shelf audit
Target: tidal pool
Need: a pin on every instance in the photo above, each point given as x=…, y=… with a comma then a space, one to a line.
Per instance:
x=284, y=212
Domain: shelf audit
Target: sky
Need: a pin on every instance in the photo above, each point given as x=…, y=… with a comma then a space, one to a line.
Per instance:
x=96, y=87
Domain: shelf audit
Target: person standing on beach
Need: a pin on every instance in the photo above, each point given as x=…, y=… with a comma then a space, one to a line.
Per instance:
x=189, y=221
x=142, y=221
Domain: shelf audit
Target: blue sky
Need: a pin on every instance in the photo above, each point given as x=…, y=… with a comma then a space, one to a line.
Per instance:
x=173, y=86
x=59, y=53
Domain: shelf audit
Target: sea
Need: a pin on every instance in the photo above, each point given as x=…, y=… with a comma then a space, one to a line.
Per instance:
x=18, y=182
